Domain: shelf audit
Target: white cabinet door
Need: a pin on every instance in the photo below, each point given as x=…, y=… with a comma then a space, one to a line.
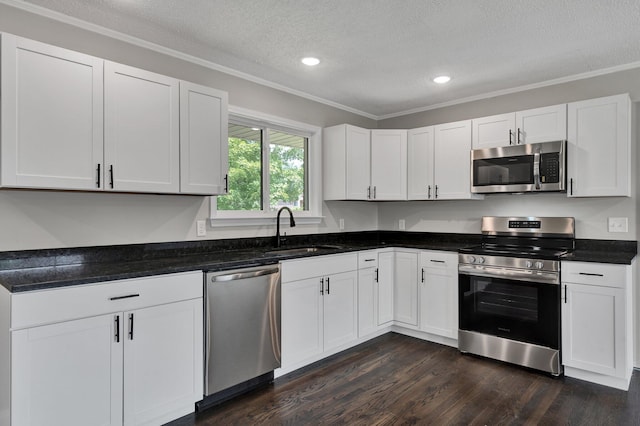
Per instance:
x=386, y=268
x=163, y=358
x=439, y=293
x=452, y=160
x=405, y=297
x=599, y=147
x=204, y=147
x=542, y=124
x=420, y=163
x=346, y=162
x=367, y=301
x=51, y=114
x=141, y=134
x=340, y=304
x=302, y=317
x=593, y=329
x=494, y=131
x=68, y=373
x=389, y=164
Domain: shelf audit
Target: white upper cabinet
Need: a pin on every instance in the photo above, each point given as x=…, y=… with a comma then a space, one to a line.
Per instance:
x=388, y=165
x=452, y=161
x=51, y=115
x=496, y=130
x=542, y=124
x=530, y=126
x=599, y=147
x=346, y=162
x=204, y=148
x=142, y=133
x=420, y=163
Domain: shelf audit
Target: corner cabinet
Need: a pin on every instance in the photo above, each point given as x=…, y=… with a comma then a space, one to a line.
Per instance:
x=72, y=121
x=530, y=126
x=599, y=147
x=405, y=292
x=51, y=115
x=124, y=352
x=597, y=322
x=319, y=307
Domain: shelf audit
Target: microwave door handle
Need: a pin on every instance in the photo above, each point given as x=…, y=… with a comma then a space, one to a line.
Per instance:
x=536, y=169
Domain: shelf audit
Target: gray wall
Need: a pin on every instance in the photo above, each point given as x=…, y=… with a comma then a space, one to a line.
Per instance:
x=49, y=219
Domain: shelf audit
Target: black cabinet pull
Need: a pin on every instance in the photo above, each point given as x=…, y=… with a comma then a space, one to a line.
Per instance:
x=328, y=288
x=377, y=275
x=130, y=326
x=128, y=296
x=322, y=286
x=116, y=324
x=436, y=192
x=98, y=176
x=374, y=192
x=571, y=185
x=429, y=192
x=111, y=176
x=519, y=133
x=368, y=193
x=591, y=275
x=422, y=274
x=565, y=294
x=510, y=137
x=436, y=261
x=226, y=183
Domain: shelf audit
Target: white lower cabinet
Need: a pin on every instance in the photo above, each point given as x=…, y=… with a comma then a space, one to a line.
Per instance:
x=319, y=306
x=405, y=292
x=438, y=291
x=140, y=364
x=597, y=337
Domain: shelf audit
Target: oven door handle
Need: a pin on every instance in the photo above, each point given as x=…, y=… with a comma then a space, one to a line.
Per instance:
x=514, y=274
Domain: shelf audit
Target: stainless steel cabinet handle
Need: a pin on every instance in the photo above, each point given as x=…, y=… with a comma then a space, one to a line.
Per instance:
x=130, y=326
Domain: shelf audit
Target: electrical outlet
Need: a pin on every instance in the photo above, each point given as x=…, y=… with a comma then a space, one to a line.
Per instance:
x=341, y=224
x=401, y=224
x=618, y=224
x=201, y=228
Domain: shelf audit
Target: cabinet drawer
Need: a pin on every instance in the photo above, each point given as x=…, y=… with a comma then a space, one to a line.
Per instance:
x=602, y=274
x=63, y=304
x=439, y=260
x=294, y=270
x=368, y=259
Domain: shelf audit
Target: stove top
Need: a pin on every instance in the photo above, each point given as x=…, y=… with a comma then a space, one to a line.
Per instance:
x=528, y=252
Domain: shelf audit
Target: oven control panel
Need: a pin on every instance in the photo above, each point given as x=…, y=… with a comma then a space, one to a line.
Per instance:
x=509, y=262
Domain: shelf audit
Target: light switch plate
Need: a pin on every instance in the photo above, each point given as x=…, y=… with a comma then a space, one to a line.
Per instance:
x=618, y=224
x=201, y=228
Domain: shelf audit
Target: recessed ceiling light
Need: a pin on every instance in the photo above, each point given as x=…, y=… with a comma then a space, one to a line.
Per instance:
x=310, y=61
x=442, y=79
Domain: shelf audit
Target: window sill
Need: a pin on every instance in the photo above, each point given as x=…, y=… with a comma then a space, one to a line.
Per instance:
x=261, y=221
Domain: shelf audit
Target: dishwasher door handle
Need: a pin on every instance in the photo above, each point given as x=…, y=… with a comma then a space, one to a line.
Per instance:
x=244, y=275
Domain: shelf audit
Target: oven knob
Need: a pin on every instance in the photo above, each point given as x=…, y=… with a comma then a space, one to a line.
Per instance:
x=481, y=260
x=472, y=259
x=539, y=265
x=528, y=264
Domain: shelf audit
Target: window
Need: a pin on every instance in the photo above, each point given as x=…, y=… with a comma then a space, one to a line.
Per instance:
x=272, y=163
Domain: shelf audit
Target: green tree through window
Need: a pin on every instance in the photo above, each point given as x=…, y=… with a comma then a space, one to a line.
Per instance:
x=285, y=161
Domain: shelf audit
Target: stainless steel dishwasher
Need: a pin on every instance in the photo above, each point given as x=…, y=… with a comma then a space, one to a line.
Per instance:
x=242, y=330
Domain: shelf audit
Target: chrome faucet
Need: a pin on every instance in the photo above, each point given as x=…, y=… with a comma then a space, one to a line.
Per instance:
x=292, y=223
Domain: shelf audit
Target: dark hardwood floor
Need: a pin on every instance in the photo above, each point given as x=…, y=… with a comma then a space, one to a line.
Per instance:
x=398, y=380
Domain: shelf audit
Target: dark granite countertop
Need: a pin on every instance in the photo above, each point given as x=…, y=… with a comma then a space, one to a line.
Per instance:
x=30, y=270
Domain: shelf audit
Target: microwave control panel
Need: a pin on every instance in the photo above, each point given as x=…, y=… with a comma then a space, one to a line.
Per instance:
x=549, y=168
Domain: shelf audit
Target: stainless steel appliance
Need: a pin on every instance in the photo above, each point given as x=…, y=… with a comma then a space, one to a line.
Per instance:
x=519, y=168
x=509, y=290
x=242, y=330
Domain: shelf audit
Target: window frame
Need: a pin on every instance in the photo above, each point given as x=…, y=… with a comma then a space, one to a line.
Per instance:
x=221, y=218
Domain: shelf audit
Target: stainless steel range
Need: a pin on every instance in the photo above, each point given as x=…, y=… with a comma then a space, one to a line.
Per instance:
x=509, y=290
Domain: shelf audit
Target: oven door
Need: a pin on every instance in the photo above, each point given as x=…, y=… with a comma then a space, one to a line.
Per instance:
x=518, y=310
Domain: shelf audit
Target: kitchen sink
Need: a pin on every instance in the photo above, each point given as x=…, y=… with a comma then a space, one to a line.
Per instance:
x=301, y=250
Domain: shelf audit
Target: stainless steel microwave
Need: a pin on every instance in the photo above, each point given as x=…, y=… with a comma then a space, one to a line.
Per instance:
x=534, y=167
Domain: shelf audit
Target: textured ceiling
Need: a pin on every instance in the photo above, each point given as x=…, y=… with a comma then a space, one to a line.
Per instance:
x=378, y=56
